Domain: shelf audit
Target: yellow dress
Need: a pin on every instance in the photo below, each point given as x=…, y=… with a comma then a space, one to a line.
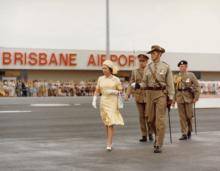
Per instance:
x=110, y=113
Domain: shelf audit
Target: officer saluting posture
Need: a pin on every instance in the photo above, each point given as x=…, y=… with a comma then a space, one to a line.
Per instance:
x=187, y=93
x=140, y=97
x=158, y=81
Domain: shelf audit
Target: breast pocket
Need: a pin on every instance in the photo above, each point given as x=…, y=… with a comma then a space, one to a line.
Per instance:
x=162, y=74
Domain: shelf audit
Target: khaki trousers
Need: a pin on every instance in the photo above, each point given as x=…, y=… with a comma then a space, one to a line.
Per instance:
x=156, y=112
x=144, y=125
x=185, y=116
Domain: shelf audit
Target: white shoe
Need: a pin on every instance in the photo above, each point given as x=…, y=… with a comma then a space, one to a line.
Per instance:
x=109, y=148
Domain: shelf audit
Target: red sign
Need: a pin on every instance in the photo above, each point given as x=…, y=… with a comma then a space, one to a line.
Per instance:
x=121, y=60
x=61, y=59
x=39, y=59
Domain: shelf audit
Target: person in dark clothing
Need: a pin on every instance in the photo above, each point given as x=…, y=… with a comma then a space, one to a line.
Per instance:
x=24, y=90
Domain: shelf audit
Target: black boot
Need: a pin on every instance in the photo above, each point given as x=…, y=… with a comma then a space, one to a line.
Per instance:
x=184, y=137
x=157, y=149
x=151, y=137
x=143, y=139
x=189, y=134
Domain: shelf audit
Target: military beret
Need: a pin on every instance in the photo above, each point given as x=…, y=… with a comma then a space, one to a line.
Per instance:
x=182, y=62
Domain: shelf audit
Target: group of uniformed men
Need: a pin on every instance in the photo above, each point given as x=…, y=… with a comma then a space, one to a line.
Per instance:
x=154, y=88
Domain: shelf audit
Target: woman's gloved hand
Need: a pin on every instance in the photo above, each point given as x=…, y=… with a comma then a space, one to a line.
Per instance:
x=94, y=102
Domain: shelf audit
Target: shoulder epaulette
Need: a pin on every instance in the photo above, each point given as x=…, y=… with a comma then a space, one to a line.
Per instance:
x=165, y=63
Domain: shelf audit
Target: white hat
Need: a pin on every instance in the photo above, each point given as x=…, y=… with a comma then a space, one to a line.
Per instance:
x=112, y=66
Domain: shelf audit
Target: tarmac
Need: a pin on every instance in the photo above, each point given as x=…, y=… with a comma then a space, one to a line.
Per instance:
x=66, y=133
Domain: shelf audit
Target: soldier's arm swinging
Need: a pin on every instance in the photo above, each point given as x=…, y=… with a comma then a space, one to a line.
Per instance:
x=170, y=85
x=170, y=88
x=196, y=87
x=129, y=89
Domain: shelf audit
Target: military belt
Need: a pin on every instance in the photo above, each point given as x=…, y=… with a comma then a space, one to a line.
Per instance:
x=155, y=88
x=183, y=89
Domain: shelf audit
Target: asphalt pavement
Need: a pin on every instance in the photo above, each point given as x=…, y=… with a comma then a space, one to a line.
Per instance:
x=66, y=133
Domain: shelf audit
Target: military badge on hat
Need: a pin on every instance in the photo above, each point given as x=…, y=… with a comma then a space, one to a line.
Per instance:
x=182, y=62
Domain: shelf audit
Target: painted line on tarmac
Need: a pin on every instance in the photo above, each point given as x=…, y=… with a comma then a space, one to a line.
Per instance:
x=15, y=111
x=49, y=105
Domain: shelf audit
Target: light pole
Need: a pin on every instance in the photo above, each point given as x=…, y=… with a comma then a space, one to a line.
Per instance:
x=107, y=30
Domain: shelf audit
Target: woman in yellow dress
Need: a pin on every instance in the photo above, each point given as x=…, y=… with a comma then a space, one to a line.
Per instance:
x=109, y=86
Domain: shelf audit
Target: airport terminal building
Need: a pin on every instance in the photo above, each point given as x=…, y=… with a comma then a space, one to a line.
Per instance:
x=77, y=65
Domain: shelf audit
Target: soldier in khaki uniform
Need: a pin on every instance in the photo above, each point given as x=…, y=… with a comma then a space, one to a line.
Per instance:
x=158, y=81
x=187, y=93
x=140, y=97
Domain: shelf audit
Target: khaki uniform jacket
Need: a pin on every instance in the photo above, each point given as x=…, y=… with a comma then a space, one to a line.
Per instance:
x=164, y=76
x=140, y=94
x=186, y=81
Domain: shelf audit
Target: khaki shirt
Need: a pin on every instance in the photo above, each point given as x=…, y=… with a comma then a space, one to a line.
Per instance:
x=186, y=81
x=164, y=76
x=140, y=94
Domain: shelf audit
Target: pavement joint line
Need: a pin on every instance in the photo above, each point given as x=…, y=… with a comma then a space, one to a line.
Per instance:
x=15, y=111
x=48, y=105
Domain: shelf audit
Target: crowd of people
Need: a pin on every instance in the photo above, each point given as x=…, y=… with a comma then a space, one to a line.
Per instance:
x=39, y=88
x=210, y=87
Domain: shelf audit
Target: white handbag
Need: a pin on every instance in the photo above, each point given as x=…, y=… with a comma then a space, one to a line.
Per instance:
x=120, y=102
